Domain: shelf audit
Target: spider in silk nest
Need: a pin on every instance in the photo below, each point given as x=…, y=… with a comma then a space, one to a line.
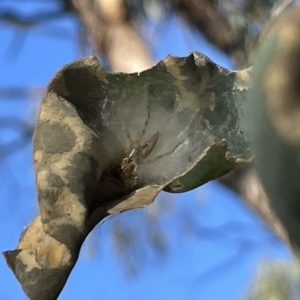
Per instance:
x=124, y=171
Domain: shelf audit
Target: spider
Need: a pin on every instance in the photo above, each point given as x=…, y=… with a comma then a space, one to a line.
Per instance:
x=137, y=155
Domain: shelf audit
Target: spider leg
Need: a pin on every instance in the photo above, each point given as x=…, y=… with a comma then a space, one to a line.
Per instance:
x=154, y=159
x=126, y=132
x=146, y=122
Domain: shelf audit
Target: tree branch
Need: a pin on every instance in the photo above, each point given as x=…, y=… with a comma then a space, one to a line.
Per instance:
x=113, y=35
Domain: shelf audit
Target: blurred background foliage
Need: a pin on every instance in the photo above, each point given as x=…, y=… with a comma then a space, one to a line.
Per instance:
x=278, y=280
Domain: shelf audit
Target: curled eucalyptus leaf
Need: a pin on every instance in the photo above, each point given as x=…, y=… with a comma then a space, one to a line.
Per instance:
x=105, y=143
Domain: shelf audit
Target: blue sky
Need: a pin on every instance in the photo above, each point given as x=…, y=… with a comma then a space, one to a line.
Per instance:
x=215, y=260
